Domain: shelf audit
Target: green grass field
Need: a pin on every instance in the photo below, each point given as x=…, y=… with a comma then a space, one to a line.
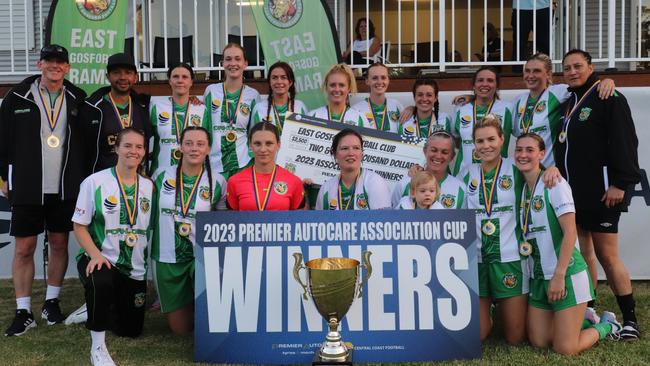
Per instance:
x=69, y=345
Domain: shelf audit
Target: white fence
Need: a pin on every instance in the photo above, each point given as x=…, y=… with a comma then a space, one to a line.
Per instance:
x=444, y=35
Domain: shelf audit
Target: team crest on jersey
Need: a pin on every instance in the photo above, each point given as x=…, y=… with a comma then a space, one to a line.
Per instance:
x=204, y=193
x=145, y=204
x=538, y=203
x=584, y=114
x=280, y=188
x=509, y=280
x=333, y=204
x=139, y=299
x=541, y=107
x=291, y=167
x=522, y=109
x=195, y=120
x=245, y=109
x=393, y=116
x=110, y=203
x=475, y=157
x=465, y=121
x=163, y=118
x=216, y=103
x=362, y=201
x=447, y=200
x=473, y=186
x=505, y=182
x=169, y=186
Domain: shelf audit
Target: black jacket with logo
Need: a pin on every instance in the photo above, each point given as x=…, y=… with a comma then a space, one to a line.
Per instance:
x=600, y=148
x=21, y=160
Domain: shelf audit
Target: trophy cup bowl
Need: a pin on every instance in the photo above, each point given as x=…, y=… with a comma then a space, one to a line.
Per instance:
x=333, y=284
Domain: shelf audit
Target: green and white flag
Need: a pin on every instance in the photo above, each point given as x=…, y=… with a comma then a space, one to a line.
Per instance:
x=302, y=34
x=91, y=30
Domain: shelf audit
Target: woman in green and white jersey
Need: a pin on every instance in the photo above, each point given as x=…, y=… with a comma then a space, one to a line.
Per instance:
x=112, y=226
x=181, y=192
x=560, y=285
x=282, y=97
x=354, y=188
x=426, y=118
x=439, y=150
x=486, y=101
x=170, y=116
x=339, y=83
x=382, y=112
x=231, y=103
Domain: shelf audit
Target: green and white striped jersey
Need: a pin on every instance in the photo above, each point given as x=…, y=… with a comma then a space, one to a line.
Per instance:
x=463, y=126
x=370, y=193
x=163, y=122
x=101, y=207
x=350, y=117
x=391, y=119
x=503, y=245
x=259, y=112
x=410, y=127
x=229, y=156
x=452, y=192
x=168, y=245
x=545, y=233
x=546, y=112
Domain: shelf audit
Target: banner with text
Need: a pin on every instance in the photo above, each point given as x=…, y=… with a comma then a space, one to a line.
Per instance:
x=306, y=144
x=420, y=303
x=302, y=34
x=91, y=31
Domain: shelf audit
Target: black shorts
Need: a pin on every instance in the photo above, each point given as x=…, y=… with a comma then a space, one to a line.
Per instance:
x=598, y=220
x=54, y=215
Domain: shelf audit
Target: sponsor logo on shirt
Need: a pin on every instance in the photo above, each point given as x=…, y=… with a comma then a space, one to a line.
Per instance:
x=465, y=121
x=163, y=118
x=21, y=111
x=584, y=114
x=473, y=186
x=333, y=204
x=110, y=203
x=169, y=186
x=216, y=103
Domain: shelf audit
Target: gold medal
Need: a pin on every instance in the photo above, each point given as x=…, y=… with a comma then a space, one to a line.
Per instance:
x=489, y=228
x=131, y=239
x=53, y=141
x=231, y=136
x=562, y=137
x=184, y=229
x=525, y=249
x=177, y=154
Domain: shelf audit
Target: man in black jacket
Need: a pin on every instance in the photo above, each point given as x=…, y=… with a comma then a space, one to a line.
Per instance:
x=597, y=154
x=41, y=165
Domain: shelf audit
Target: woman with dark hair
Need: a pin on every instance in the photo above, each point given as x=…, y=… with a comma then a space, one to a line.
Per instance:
x=112, y=225
x=265, y=186
x=181, y=192
x=426, y=118
x=170, y=116
x=355, y=188
x=366, y=44
x=382, y=112
x=282, y=97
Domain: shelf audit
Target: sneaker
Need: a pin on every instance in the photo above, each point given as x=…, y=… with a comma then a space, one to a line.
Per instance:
x=78, y=316
x=52, y=312
x=609, y=317
x=630, y=331
x=591, y=316
x=99, y=356
x=23, y=321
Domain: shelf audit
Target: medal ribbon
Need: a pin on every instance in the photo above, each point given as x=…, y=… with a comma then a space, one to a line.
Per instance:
x=570, y=113
x=176, y=125
x=278, y=122
x=354, y=189
x=231, y=119
x=117, y=112
x=383, y=118
x=486, y=113
x=525, y=126
x=263, y=205
x=417, y=125
x=130, y=211
x=185, y=205
x=52, y=115
x=329, y=114
x=486, y=198
x=526, y=207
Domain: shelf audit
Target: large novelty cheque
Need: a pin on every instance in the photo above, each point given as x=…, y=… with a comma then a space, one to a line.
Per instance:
x=306, y=144
x=420, y=302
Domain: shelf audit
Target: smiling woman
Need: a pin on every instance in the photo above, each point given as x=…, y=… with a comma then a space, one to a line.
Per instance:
x=339, y=84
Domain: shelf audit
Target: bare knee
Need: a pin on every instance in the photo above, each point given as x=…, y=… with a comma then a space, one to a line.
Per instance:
x=515, y=339
x=565, y=349
x=539, y=342
x=24, y=252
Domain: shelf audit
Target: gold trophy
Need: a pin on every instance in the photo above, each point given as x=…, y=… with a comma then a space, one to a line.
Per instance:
x=333, y=284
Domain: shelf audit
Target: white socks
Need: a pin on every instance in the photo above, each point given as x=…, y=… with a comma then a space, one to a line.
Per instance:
x=24, y=303
x=52, y=292
x=98, y=339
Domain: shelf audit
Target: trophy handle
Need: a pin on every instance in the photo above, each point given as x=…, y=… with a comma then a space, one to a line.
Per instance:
x=365, y=257
x=297, y=266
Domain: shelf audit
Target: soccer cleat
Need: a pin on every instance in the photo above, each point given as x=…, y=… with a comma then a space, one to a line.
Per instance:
x=630, y=331
x=609, y=317
x=591, y=316
x=52, y=312
x=23, y=321
x=78, y=316
x=99, y=356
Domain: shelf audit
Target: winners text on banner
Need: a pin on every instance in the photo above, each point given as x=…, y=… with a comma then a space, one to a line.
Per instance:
x=420, y=304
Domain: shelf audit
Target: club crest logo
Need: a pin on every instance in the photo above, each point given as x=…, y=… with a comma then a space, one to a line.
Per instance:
x=447, y=200
x=509, y=280
x=195, y=120
x=393, y=115
x=139, y=299
x=584, y=114
x=541, y=107
x=204, y=193
x=505, y=182
x=110, y=203
x=362, y=201
x=283, y=13
x=96, y=9
x=145, y=204
x=475, y=157
x=245, y=109
x=163, y=118
x=169, y=185
x=280, y=188
x=538, y=203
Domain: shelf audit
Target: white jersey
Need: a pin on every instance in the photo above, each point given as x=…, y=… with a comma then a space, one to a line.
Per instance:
x=259, y=112
x=452, y=192
x=408, y=203
x=228, y=155
x=391, y=118
x=350, y=117
x=464, y=125
x=371, y=193
x=503, y=245
x=546, y=113
x=544, y=231
x=410, y=128
x=101, y=207
x=166, y=138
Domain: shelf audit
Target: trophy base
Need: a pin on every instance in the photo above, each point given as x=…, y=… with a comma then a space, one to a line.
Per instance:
x=318, y=361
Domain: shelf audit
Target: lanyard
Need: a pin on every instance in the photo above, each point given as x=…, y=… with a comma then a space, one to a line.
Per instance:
x=130, y=210
x=354, y=188
x=488, y=198
x=52, y=114
x=261, y=206
x=185, y=205
x=526, y=207
x=129, y=120
x=526, y=126
x=177, y=127
x=383, y=117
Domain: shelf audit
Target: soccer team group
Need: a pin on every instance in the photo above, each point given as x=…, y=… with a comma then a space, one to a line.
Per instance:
x=128, y=174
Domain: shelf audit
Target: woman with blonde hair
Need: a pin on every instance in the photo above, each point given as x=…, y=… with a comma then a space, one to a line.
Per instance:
x=338, y=85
